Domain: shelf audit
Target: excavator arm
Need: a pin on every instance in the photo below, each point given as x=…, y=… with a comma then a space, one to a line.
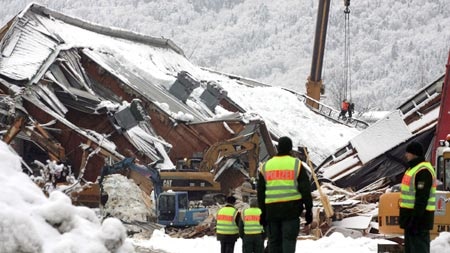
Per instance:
x=246, y=146
x=141, y=174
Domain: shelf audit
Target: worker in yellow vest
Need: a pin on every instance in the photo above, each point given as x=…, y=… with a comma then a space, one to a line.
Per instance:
x=227, y=230
x=284, y=191
x=251, y=230
x=417, y=200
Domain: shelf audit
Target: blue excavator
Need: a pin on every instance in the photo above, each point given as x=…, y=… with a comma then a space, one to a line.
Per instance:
x=172, y=208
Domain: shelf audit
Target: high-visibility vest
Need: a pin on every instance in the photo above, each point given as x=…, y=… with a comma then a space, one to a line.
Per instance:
x=281, y=173
x=226, y=221
x=251, y=217
x=408, y=187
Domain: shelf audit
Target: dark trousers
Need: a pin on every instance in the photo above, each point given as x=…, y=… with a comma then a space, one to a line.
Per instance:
x=417, y=243
x=283, y=235
x=253, y=243
x=342, y=114
x=227, y=246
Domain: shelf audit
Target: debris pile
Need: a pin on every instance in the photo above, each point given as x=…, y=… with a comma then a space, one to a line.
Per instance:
x=349, y=207
x=127, y=202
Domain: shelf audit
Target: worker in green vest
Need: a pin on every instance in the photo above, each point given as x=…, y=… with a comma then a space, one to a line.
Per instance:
x=227, y=230
x=417, y=200
x=251, y=230
x=284, y=191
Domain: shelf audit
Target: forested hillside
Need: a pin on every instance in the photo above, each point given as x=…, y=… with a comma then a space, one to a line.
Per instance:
x=396, y=46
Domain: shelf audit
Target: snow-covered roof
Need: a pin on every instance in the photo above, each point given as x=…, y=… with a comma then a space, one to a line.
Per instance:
x=414, y=119
x=38, y=38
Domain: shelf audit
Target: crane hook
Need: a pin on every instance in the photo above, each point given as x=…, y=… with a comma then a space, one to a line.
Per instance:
x=347, y=4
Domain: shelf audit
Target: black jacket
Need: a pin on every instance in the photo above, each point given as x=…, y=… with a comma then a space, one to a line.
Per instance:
x=422, y=219
x=285, y=210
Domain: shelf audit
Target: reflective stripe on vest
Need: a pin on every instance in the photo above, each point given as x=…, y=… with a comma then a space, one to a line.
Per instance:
x=408, y=187
x=251, y=217
x=281, y=173
x=226, y=221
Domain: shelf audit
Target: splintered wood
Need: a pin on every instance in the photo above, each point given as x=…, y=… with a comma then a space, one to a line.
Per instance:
x=345, y=203
x=191, y=232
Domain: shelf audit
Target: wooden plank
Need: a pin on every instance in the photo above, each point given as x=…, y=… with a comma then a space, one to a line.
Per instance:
x=323, y=198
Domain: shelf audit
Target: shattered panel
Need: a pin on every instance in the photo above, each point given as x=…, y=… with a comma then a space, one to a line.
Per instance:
x=137, y=83
x=381, y=136
x=30, y=51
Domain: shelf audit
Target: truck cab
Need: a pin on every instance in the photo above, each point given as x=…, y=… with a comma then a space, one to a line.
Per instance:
x=173, y=210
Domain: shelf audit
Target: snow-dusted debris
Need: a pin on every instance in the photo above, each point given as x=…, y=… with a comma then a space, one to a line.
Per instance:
x=32, y=223
x=126, y=200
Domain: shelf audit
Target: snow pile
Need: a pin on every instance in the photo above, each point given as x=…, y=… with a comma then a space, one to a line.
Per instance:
x=336, y=242
x=31, y=222
x=126, y=201
x=441, y=243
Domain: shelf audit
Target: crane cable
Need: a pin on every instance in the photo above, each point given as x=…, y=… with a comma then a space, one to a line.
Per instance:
x=347, y=75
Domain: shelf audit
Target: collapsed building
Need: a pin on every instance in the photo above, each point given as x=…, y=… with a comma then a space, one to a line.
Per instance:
x=76, y=97
x=375, y=157
x=79, y=96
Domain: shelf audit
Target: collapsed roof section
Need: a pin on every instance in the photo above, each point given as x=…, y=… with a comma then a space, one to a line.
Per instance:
x=83, y=93
x=376, y=154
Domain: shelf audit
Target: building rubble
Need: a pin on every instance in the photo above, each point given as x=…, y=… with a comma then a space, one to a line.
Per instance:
x=73, y=106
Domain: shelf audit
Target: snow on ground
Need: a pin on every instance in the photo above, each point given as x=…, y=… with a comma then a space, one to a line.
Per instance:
x=336, y=243
x=32, y=223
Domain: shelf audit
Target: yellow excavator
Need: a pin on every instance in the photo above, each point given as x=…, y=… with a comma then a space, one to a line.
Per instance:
x=243, y=145
x=201, y=175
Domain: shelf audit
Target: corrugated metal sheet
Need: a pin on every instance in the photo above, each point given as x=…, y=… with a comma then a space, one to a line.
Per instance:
x=31, y=49
x=142, y=85
x=48, y=96
x=145, y=143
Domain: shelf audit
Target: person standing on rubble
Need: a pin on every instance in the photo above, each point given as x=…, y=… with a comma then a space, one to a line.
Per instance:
x=417, y=200
x=284, y=191
x=344, y=108
x=251, y=230
x=351, y=109
x=227, y=230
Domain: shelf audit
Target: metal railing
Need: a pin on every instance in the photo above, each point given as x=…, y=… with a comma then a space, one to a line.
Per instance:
x=330, y=112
